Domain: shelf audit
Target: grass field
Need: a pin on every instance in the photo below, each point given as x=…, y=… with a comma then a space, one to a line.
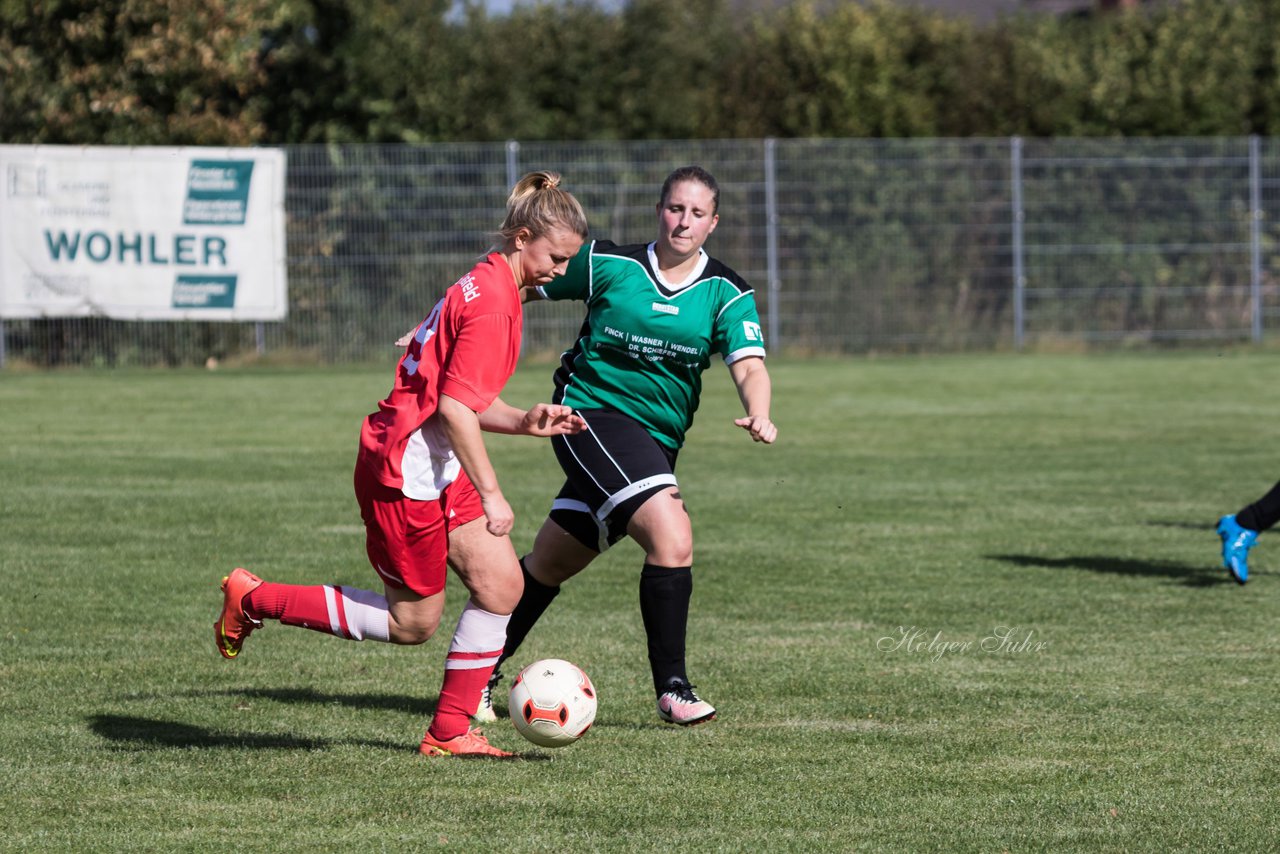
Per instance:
x=852, y=586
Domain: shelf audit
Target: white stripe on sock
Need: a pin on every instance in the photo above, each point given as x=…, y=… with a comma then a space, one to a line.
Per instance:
x=368, y=617
x=478, y=631
x=331, y=604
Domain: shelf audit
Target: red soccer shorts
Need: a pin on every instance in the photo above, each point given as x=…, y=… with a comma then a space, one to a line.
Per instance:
x=408, y=540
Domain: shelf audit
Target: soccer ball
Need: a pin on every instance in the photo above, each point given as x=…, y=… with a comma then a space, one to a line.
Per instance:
x=552, y=703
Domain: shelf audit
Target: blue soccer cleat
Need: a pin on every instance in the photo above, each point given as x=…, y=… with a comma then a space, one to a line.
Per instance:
x=1236, y=542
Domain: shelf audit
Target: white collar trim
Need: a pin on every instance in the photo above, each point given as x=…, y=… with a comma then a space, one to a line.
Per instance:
x=693, y=276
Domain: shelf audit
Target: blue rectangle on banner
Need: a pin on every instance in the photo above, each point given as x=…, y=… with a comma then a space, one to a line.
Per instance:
x=217, y=192
x=204, y=292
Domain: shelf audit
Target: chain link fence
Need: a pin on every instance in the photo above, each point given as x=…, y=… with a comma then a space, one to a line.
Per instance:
x=854, y=246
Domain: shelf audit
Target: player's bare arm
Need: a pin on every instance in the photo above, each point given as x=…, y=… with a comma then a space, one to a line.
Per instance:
x=542, y=419
x=403, y=340
x=462, y=425
x=755, y=390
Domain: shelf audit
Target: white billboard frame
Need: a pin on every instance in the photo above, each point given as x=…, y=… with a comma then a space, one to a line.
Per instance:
x=143, y=233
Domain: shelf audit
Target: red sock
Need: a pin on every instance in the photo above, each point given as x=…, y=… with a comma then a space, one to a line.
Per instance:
x=477, y=644
x=293, y=605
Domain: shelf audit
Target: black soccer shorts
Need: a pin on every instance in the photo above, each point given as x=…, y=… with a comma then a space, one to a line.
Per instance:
x=611, y=468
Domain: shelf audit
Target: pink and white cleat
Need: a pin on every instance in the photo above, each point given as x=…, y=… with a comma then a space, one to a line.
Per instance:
x=679, y=705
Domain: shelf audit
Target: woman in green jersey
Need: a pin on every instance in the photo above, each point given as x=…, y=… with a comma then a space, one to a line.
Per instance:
x=656, y=314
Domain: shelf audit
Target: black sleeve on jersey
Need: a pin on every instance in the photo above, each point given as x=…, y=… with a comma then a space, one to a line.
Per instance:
x=716, y=268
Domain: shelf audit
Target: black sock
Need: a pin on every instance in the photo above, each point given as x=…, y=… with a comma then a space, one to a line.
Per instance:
x=1263, y=513
x=535, y=599
x=664, y=605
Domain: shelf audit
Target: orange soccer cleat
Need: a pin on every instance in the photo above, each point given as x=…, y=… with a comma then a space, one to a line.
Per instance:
x=234, y=625
x=470, y=743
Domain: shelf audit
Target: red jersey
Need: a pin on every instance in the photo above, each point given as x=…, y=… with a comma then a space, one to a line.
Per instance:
x=467, y=348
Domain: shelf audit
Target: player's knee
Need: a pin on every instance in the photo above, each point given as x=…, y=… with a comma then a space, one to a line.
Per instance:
x=413, y=632
x=554, y=574
x=678, y=544
x=665, y=544
x=549, y=570
x=563, y=548
x=671, y=554
x=499, y=596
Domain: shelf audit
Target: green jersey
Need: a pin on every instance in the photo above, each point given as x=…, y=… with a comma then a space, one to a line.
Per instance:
x=645, y=342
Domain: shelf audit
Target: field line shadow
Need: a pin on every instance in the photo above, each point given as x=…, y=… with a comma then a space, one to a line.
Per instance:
x=1189, y=575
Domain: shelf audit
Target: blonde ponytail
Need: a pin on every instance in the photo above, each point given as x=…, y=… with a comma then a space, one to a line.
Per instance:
x=537, y=204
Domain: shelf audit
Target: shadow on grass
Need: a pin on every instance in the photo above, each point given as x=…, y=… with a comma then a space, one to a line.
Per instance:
x=151, y=734
x=1190, y=575
x=1209, y=527
x=418, y=706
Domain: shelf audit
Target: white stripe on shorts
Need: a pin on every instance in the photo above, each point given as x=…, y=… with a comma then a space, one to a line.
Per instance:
x=634, y=489
x=623, y=494
x=588, y=471
x=602, y=530
x=388, y=575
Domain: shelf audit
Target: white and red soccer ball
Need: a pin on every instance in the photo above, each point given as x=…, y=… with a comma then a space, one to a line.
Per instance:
x=552, y=703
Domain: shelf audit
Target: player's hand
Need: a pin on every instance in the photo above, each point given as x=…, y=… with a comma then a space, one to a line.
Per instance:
x=548, y=419
x=499, y=518
x=403, y=340
x=760, y=428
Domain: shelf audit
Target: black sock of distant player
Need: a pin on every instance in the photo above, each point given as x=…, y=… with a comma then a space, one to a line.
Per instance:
x=1263, y=513
x=664, y=604
x=535, y=599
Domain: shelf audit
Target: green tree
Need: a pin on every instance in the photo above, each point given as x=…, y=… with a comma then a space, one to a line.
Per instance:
x=1183, y=70
x=132, y=71
x=391, y=72
x=671, y=58
x=538, y=73
x=237, y=72
x=572, y=71
x=877, y=70
x=186, y=72
x=1005, y=80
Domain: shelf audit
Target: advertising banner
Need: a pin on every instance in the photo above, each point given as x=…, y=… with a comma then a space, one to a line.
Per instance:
x=142, y=233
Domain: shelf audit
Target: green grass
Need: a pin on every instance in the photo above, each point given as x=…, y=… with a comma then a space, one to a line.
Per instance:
x=1069, y=498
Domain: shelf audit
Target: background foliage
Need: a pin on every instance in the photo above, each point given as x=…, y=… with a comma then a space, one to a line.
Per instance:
x=234, y=72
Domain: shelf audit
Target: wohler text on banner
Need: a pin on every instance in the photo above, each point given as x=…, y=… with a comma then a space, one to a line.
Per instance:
x=142, y=233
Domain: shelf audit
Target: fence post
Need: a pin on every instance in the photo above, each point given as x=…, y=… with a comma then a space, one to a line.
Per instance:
x=260, y=338
x=1019, y=268
x=1255, y=236
x=513, y=149
x=771, y=242
x=1, y=343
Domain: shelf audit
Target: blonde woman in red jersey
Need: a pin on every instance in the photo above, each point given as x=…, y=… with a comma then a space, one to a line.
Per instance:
x=427, y=491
